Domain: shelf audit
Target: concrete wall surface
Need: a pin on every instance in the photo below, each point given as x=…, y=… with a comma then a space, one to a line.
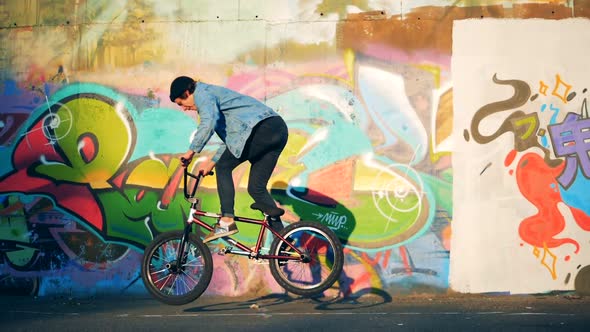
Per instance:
x=444, y=141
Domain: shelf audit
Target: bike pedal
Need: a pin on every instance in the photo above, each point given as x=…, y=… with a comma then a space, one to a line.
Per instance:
x=224, y=251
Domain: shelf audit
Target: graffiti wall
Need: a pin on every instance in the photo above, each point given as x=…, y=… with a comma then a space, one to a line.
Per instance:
x=520, y=156
x=89, y=141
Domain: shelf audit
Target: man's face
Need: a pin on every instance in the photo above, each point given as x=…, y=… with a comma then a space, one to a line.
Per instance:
x=186, y=101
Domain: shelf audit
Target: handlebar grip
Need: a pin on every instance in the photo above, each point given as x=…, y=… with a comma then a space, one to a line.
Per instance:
x=186, y=172
x=191, y=193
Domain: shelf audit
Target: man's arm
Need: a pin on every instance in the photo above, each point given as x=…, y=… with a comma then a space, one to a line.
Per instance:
x=219, y=152
x=207, y=165
x=208, y=115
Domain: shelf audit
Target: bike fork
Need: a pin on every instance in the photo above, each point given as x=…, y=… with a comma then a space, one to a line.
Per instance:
x=185, y=235
x=182, y=246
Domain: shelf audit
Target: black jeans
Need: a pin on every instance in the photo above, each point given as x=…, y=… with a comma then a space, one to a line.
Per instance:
x=262, y=150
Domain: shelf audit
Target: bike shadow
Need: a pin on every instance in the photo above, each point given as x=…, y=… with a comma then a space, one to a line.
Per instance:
x=254, y=303
x=303, y=203
x=365, y=298
x=310, y=205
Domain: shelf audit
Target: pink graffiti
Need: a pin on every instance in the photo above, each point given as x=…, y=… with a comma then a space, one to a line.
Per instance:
x=267, y=83
x=260, y=84
x=388, y=53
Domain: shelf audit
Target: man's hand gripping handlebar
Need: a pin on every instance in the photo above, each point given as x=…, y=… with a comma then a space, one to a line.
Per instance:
x=190, y=194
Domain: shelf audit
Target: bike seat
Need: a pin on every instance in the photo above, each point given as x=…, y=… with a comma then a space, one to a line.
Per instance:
x=271, y=211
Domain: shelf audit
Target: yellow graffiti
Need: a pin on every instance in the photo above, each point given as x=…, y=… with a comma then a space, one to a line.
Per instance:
x=536, y=252
x=100, y=122
x=434, y=70
x=548, y=260
x=443, y=125
x=152, y=173
x=550, y=265
x=531, y=121
x=559, y=85
x=349, y=59
x=543, y=88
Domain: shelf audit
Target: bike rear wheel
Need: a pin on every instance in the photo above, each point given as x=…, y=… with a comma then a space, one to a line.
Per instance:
x=173, y=283
x=320, y=266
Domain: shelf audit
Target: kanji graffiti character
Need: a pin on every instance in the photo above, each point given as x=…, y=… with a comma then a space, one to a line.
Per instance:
x=571, y=139
x=530, y=122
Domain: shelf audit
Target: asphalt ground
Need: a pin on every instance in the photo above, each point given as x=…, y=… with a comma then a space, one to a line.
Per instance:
x=374, y=311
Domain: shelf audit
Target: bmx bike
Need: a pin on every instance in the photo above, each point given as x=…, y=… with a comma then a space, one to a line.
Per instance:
x=305, y=258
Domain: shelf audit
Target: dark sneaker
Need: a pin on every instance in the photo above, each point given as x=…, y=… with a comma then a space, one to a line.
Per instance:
x=276, y=223
x=221, y=231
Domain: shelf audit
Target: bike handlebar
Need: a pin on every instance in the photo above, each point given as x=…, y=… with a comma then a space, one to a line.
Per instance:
x=197, y=177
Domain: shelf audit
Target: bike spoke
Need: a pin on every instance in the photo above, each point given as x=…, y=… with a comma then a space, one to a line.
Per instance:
x=189, y=277
x=183, y=282
x=173, y=286
x=159, y=271
x=301, y=272
x=196, y=259
x=176, y=277
x=166, y=282
x=164, y=277
x=319, y=267
x=178, y=283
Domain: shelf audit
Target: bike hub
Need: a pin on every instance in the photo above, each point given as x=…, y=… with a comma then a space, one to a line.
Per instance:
x=172, y=267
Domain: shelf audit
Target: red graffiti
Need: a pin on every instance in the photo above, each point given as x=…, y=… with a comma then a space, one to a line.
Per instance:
x=375, y=261
x=510, y=158
x=88, y=148
x=537, y=182
x=31, y=150
x=403, y=252
x=581, y=218
x=171, y=186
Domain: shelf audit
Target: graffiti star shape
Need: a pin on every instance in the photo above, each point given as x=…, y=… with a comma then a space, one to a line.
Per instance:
x=536, y=252
x=549, y=260
x=543, y=88
x=561, y=85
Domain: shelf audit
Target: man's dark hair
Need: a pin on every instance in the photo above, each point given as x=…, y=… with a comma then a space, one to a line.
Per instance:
x=180, y=85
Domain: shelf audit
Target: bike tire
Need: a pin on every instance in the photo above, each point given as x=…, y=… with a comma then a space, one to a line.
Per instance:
x=323, y=249
x=176, y=286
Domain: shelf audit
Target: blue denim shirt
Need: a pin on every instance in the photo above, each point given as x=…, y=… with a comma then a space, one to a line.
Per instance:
x=229, y=114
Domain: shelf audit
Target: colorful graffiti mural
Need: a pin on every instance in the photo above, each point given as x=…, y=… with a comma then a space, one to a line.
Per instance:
x=100, y=161
x=90, y=143
x=534, y=128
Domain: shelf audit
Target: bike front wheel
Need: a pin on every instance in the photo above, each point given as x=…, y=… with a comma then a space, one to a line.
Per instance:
x=170, y=282
x=318, y=268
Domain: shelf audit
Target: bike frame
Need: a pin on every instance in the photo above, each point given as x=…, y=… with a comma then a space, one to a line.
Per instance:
x=195, y=213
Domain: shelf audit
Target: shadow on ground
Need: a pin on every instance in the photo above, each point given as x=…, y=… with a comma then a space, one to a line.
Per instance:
x=366, y=298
